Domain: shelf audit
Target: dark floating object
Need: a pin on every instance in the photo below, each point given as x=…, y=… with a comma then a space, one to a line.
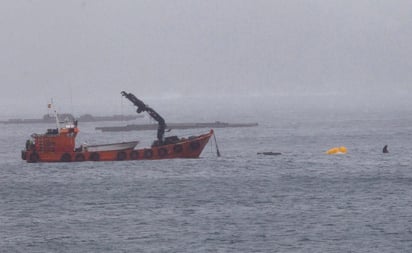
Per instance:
x=269, y=153
x=385, y=149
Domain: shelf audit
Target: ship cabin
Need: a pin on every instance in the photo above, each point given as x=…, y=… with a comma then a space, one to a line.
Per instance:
x=55, y=140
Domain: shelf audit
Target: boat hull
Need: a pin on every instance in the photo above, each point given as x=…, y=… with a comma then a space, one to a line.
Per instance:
x=191, y=147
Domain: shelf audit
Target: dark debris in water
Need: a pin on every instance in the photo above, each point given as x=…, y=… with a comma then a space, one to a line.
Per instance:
x=269, y=153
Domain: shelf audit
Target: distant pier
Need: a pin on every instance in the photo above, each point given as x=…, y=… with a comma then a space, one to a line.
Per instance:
x=67, y=116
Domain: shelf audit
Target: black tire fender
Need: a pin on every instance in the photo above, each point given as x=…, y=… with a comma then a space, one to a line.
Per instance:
x=79, y=158
x=23, y=155
x=121, y=155
x=134, y=155
x=34, y=157
x=66, y=157
x=148, y=153
x=162, y=152
x=194, y=145
x=94, y=157
x=178, y=148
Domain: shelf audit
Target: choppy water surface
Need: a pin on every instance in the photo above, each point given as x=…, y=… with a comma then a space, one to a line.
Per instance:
x=301, y=201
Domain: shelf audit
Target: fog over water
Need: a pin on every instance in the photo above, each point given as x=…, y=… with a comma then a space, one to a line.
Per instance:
x=234, y=56
x=314, y=74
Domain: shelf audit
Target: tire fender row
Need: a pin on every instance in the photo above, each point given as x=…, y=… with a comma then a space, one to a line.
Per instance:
x=162, y=152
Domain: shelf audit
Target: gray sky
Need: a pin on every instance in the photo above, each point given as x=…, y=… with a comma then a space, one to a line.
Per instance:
x=86, y=52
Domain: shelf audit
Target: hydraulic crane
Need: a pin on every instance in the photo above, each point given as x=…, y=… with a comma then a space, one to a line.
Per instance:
x=141, y=107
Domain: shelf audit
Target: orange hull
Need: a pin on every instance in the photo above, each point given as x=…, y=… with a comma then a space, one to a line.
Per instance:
x=188, y=148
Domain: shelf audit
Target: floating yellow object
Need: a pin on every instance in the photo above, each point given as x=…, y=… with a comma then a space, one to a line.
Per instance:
x=337, y=150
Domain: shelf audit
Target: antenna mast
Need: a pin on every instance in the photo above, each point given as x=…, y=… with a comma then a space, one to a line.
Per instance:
x=55, y=114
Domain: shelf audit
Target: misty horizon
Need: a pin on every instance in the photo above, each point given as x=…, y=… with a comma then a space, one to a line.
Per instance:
x=221, y=107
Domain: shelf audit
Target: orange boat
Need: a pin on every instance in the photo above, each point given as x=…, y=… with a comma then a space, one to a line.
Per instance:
x=58, y=145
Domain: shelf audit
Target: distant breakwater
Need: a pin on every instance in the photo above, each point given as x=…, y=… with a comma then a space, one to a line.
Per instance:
x=137, y=127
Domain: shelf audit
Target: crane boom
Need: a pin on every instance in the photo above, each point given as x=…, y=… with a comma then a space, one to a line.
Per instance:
x=141, y=107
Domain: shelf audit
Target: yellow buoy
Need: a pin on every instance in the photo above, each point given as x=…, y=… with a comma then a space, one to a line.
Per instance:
x=337, y=150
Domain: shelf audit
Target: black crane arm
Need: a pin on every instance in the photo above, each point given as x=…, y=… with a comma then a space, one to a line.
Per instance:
x=137, y=102
x=141, y=107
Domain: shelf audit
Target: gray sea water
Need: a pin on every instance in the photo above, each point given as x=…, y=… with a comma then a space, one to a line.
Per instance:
x=300, y=201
